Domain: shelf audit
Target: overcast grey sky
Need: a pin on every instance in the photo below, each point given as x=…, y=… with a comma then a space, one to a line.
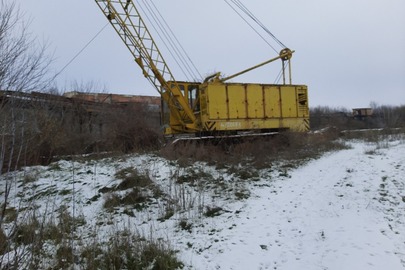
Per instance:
x=348, y=52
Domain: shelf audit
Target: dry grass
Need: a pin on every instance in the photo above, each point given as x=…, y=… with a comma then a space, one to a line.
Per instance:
x=3, y=242
x=122, y=250
x=259, y=152
x=132, y=178
x=126, y=250
x=139, y=190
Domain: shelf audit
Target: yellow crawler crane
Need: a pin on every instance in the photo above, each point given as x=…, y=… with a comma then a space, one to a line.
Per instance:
x=212, y=107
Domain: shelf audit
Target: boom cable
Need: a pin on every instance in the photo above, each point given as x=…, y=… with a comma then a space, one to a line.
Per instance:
x=247, y=12
x=279, y=75
x=179, y=43
x=162, y=34
x=80, y=52
x=250, y=25
x=168, y=39
x=259, y=23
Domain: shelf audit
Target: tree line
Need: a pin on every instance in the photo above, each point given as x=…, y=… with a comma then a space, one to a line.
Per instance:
x=383, y=116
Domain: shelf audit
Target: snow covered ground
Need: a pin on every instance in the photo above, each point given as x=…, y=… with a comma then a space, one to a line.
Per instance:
x=345, y=210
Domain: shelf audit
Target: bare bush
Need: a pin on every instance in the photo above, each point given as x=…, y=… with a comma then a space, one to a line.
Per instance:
x=323, y=116
x=3, y=242
x=189, y=151
x=390, y=116
x=342, y=119
x=259, y=152
x=40, y=128
x=133, y=129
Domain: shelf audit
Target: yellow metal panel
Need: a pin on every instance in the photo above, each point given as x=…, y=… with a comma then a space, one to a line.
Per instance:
x=239, y=107
x=217, y=101
x=289, y=101
x=255, y=101
x=237, y=101
x=272, y=101
x=292, y=123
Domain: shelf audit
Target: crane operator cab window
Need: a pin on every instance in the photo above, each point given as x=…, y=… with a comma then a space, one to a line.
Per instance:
x=189, y=91
x=182, y=89
x=192, y=91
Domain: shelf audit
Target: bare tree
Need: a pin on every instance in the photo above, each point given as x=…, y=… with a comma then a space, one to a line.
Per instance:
x=23, y=67
x=23, y=60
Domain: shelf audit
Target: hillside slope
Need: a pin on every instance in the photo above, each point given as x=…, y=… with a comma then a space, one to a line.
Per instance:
x=345, y=210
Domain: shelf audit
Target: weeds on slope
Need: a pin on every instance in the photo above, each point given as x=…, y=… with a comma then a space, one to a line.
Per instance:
x=42, y=237
x=260, y=152
x=38, y=242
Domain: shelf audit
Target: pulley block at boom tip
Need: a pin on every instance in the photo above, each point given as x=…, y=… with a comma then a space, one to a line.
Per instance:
x=286, y=54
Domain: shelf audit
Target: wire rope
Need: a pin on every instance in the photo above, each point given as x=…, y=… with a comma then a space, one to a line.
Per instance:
x=79, y=53
x=254, y=18
x=278, y=78
x=179, y=43
x=247, y=12
x=161, y=34
x=250, y=25
x=167, y=39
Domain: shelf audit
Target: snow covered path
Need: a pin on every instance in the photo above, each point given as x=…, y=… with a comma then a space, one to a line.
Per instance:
x=343, y=211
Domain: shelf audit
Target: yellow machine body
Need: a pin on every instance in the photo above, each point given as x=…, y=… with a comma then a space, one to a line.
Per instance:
x=214, y=106
x=222, y=108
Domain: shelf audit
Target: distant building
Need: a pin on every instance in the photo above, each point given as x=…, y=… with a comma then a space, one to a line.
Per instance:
x=73, y=123
x=361, y=113
x=151, y=102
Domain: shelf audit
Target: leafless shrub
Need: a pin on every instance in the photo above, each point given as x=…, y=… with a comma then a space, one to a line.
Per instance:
x=132, y=178
x=213, y=211
x=259, y=152
x=189, y=151
x=133, y=129
x=323, y=116
x=383, y=117
x=390, y=116
x=185, y=194
x=9, y=215
x=112, y=200
x=64, y=256
x=376, y=136
x=185, y=225
x=45, y=131
x=3, y=242
x=136, y=198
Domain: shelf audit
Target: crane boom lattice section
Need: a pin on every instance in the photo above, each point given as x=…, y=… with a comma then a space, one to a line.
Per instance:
x=128, y=23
